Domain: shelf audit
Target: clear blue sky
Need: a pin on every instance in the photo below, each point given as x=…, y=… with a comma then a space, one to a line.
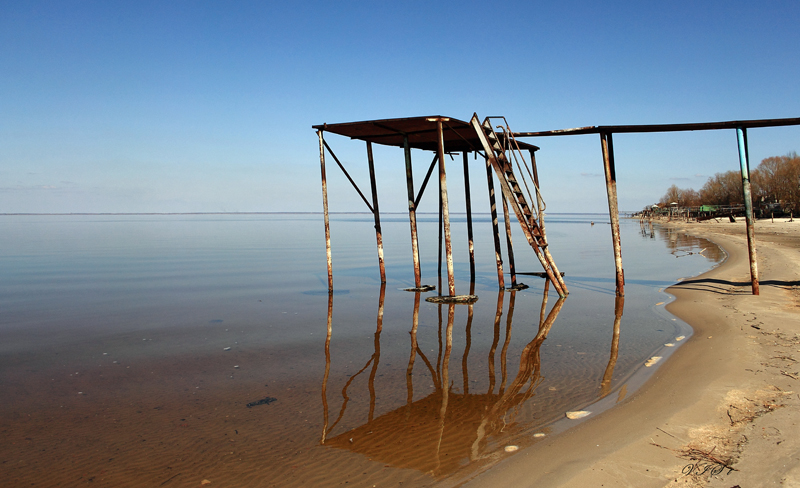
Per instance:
x=208, y=106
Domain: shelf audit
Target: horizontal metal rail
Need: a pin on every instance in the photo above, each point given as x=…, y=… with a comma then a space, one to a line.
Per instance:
x=616, y=129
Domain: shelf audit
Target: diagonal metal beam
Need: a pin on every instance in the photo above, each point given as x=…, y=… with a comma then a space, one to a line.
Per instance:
x=425, y=181
x=348, y=176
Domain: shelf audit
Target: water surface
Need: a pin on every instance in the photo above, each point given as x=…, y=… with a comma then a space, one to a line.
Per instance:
x=132, y=346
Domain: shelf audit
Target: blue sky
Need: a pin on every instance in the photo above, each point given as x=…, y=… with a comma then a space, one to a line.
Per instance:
x=208, y=106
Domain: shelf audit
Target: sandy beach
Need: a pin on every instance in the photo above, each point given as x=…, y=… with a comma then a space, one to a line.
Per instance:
x=723, y=411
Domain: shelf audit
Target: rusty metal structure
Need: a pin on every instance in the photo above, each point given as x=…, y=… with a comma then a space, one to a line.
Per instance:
x=500, y=151
x=607, y=147
x=444, y=135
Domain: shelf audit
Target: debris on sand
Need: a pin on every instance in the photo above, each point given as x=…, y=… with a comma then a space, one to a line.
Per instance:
x=653, y=360
x=263, y=401
x=453, y=299
x=578, y=414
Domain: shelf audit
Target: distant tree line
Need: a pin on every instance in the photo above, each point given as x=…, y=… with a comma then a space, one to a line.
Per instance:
x=775, y=183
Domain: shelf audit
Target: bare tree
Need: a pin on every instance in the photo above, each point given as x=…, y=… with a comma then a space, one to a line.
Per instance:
x=723, y=189
x=777, y=180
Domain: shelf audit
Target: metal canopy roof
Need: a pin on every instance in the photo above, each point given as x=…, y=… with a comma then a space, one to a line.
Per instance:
x=459, y=136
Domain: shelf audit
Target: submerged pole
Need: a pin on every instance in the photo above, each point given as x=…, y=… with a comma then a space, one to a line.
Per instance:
x=511, y=267
x=495, y=231
x=375, y=212
x=744, y=162
x=469, y=220
x=441, y=235
x=325, y=209
x=540, y=206
x=448, y=248
x=607, y=145
x=412, y=213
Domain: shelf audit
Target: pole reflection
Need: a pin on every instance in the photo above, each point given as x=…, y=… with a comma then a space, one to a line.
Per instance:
x=439, y=433
x=605, y=384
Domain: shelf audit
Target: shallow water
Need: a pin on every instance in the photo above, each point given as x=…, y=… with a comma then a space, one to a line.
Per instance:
x=116, y=369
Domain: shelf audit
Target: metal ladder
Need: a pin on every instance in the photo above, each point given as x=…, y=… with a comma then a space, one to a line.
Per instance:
x=534, y=233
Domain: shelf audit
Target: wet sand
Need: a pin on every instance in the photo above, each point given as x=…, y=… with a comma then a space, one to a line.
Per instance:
x=728, y=398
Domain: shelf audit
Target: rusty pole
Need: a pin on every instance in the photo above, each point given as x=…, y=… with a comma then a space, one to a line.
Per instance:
x=607, y=145
x=441, y=235
x=539, y=199
x=448, y=248
x=325, y=209
x=540, y=210
x=412, y=214
x=744, y=162
x=376, y=213
x=495, y=230
x=511, y=267
x=469, y=220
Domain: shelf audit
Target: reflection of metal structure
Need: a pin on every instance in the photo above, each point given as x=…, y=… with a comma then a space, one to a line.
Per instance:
x=438, y=433
x=444, y=135
x=607, y=146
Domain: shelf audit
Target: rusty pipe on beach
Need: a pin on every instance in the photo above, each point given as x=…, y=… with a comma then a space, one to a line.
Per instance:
x=744, y=163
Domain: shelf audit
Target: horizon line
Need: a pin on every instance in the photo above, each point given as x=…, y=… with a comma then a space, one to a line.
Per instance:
x=8, y=214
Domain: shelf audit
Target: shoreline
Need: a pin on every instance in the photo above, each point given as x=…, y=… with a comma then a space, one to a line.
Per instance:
x=730, y=391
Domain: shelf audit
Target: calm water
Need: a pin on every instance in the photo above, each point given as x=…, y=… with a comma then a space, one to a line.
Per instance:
x=131, y=346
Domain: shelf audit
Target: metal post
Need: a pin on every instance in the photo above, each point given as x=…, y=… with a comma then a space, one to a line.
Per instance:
x=441, y=236
x=325, y=209
x=511, y=267
x=469, y=220
x=744, y=162
x=540, y=206
x=539, y=199
x=375, y=211
x=613, y=211
x=495, y=230
x=448, y=248
x=412, y=214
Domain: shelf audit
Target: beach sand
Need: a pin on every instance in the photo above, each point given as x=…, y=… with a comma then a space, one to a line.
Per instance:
x=729, y=396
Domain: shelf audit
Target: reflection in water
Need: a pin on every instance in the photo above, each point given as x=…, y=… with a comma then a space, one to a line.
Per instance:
x=681, y=244
x=605, y=385
x=445, y=430
x=327, y=369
